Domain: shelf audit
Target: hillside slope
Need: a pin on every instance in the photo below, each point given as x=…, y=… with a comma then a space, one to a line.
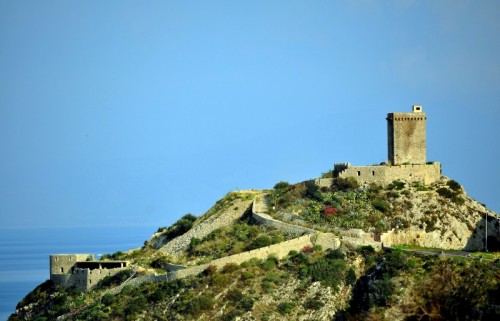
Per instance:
x=309, y=255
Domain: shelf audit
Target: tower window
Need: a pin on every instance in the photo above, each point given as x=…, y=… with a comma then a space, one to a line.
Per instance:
x=359, y=173
x=62, y=270
x=373, y=173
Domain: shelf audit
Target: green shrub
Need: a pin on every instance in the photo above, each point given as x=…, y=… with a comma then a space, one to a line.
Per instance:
x=380, y=205
x=114, y=280
x=127, y=289
x=270, y=263
x=344, y=184
x=458, y=200
x=231, y=315
x=108, y=299
x=313, y=304
x=327, y=174
x=246, y=303
x=350, y=277
x=455, y=186
x=199, y=304
x=330, y=272
x=234, y=295
x=281, y=186
x=335, y=254
x=397, y=185
x=230, y=267
x=159, y=263
x=261, y=241
x=272, y=277
x=210, y=270
x=267, y=286
x=445, y=192
x=246, y=275
x=285, y=308
x=119, y=255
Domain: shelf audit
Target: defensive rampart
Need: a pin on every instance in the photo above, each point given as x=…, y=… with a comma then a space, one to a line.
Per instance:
x=226, y=218
x=287, y=228
x=385, y=174
x=280, y=250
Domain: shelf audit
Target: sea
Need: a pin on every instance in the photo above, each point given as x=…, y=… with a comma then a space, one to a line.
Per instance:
x=24, y=254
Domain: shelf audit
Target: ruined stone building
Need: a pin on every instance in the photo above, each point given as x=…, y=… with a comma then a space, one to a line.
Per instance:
x=406, y=142
x=81, y=270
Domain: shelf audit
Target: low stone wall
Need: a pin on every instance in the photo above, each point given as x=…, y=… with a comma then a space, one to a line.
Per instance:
x=174, y=267
x=280, y=250
x=354, y=243
x=323, y=182
x=282, y=226
x=138, y=281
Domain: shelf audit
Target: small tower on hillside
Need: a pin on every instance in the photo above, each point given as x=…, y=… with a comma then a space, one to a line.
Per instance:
x=406, y=137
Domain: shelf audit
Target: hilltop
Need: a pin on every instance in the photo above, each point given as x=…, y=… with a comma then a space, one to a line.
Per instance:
x=324, y=249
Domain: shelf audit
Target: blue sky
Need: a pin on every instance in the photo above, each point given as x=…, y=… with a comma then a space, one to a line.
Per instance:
x=135, y=113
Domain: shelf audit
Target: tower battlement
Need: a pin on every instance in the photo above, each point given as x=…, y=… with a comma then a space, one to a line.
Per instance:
x=406, y=137
x=406, y=141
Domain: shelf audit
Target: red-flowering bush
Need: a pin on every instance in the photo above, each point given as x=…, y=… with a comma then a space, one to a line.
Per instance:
x=330, y=212
x=307, y=249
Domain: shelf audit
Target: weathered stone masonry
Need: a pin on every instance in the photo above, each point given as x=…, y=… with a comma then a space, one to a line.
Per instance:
x=406, y=137
x=385, y=174
x=81, y=271
x=406, y=144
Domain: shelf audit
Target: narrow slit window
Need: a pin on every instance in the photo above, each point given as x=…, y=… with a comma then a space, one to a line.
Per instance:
x=359, y=173
x=373, y=173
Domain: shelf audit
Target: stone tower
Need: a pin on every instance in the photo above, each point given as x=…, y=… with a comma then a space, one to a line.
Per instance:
x=406, y=137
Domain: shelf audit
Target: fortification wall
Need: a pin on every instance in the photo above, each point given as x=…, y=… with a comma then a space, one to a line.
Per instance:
x=281, y=250
x=228, y=217
x=323, y=182
x=63, y=280
x=385, y=174
x=138, y=281
x=287, y=228
x=84, y=279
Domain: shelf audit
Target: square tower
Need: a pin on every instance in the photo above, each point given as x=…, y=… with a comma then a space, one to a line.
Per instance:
x=406, y=137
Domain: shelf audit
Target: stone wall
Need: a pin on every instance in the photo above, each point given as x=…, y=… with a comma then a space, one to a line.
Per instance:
x=323, y=182
x=281, y=250
x=83, y=279
x=287, y=228
x=385, y=174
x=406, y=138
x=64, y=271
x=226, y=218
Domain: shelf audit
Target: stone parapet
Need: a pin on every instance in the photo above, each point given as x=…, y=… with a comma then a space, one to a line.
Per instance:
x=385, y=174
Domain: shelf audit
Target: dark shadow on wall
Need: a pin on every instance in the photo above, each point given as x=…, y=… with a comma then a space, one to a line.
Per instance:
x=481, y=239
